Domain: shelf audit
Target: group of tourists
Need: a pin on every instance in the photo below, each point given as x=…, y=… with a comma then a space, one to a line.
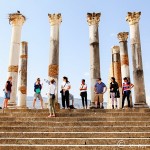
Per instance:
x=99, y=90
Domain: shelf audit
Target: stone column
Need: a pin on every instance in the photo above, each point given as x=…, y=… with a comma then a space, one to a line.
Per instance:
x=138, y=75
x=93, y=21
x=117, y=70
x=16, y=20
x=22, y=78
x=111, y=74
x=125, y=71
x=53, y=69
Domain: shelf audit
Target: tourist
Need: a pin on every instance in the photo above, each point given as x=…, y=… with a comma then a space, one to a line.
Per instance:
x=65, y=87
x=99, y=89
x=51, y=97
x=7, y=92
x=114, y=89
x=126, y=90
x=83, y=93
x=37, y=94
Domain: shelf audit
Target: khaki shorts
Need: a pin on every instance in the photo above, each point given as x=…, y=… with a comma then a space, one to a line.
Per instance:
x=98, y=97
x=37, y=96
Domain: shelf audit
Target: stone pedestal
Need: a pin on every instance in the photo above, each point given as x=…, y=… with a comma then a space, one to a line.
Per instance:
x=138, y=75
x=22, y=76
x=117, y=71
x=53, y=69
x=125, y=71
x=16, y=20
x=93, y=21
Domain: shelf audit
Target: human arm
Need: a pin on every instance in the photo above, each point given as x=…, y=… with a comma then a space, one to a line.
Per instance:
x=104, y=89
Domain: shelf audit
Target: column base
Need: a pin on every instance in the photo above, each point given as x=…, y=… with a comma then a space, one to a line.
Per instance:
x=141, y=105
x=22, y=107
x=11, y=105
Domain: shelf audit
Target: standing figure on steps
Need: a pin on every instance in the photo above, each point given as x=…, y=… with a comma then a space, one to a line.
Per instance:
x=114, y=88
x=7, y=92
x=126, y=90
x=65, y=87
x=83, y=93
x=37, y=94
x=51, y=96
x=99, y=89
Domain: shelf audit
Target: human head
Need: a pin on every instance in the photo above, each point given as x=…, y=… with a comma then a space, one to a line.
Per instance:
x=52, y=81
x=83, y=81
x=10, y=78
x=38, y=80
x=65, y=79
x=112, y=79
x=125, y=79
x=99, y=79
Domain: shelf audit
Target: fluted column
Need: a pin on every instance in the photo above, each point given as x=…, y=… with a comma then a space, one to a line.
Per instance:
x=138, y=75
x=117, y=70
x=53, y=69
x=93, y=21
x=111, y=74
x=125, y=71
x=16, y=20
x=22, y=75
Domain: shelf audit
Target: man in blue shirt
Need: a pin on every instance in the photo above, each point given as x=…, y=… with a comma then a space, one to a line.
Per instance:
x=99, y=89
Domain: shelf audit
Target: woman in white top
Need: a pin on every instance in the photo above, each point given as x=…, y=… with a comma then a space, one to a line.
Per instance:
x=83, y=93
x=51, y=97
x=65, y=92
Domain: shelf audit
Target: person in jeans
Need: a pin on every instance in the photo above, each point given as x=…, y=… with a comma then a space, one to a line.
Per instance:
x=37, y=92
x=51, y=97
x=113, y=91
x=126, y=90
x=65, y=87
x=83, y=93
x=99, y=89
x=7, y=92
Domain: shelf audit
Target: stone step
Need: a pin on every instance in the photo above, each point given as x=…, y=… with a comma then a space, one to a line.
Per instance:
x=76, y=114
x=74, y=134
x=65, y=119
x=74, y=147
x=74, y=123
x=75, y=141
x=80, y=110
x=76, y=129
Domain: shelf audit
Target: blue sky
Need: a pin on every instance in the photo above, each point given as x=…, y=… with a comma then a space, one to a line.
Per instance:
x=74, y=37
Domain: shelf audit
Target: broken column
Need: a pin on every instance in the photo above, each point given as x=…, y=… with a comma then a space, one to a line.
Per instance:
x=16, y=20
x=53, y=69
x=138, y=75
x=125, y=71
x=93, y=21
x=22, y=75
x=117, y=71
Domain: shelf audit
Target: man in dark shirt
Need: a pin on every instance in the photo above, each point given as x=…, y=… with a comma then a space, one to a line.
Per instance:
x=99, y=89
x=37, y=94
x=7, y=92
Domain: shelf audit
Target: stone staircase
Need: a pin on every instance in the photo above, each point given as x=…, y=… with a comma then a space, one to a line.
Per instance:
x=92, y=129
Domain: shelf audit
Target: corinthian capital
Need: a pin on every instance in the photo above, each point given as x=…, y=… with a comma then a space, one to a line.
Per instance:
x=16, y=19
x=123, y=36
x=55, y=19
x=133, y=17
x=93, y=18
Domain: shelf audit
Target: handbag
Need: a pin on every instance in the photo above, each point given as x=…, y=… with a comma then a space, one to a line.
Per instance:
x=52, y=96
x=62, y=89
x=117, y=94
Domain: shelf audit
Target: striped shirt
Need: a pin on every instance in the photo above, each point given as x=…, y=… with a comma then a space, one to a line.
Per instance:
x=126, y=86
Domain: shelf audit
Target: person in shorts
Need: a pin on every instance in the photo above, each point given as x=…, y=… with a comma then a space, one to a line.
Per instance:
x=37, y=94
x=7, y=92
x=99, y=89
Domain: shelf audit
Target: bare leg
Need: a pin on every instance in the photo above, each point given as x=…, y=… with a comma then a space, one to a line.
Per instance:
x=6, y=103
x=96, y=103
x=34, y=103
x=41, y=103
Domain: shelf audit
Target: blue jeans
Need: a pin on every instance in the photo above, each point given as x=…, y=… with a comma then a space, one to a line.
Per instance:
x=126, y=94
